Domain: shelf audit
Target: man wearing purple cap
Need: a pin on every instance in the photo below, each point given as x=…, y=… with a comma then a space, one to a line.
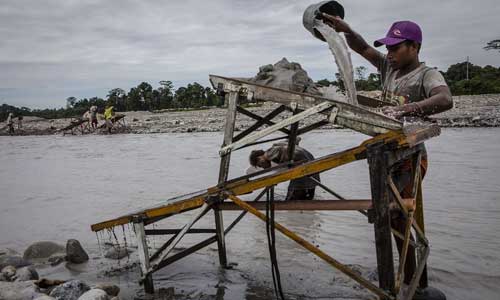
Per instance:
x=411, y=89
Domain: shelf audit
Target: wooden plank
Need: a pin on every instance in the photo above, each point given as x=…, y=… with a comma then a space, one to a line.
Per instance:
x=163, y=255
x=379, y=171
x=260, y=121
x=142, y=250
x=266, y=131
x=306, y=205
x=175, y=231
x=350, y=116
x=224, y=173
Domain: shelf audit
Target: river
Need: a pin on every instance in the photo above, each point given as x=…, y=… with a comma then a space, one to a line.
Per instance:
x=55, y=187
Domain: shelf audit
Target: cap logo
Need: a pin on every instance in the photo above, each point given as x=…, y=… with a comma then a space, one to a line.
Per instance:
x=396, y=32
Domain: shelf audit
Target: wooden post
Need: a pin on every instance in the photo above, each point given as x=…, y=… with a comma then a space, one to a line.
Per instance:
x=142, y=248
x=224, y=172
x=292, y=138
x=419, y=219
x=379, y=170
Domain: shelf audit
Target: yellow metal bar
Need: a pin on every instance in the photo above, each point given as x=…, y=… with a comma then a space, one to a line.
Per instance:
x=168, y=209
x=344, y=269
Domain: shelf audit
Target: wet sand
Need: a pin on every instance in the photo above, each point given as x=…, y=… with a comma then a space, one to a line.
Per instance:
x=468, y=111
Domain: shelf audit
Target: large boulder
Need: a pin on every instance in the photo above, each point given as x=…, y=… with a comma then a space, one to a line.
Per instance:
x=70, y=290
x=26, y=273
x=75, y=252
x=286, y=75
x=19, y=290
x=44, y=249
x=117, y=252
x=94, y=294
x=13, y=260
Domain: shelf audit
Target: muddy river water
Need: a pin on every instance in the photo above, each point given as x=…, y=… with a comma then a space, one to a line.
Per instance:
x=54, y=187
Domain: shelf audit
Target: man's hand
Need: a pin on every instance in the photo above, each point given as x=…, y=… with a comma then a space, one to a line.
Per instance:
x=397, y=112
x=336, y=23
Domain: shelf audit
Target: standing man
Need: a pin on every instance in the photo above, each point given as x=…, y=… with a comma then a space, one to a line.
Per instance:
x=93, y=116
x=10, y=123
x=298, y=189
x=417, y=90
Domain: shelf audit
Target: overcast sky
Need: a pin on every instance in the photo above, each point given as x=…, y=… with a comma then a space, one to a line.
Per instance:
x=53, y=49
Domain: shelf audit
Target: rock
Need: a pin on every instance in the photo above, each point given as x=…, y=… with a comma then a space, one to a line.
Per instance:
x=94, y=294
x=9, y=272
x=56, y=259
x=3, y=278
x=42, y=249
x=117, y=253
x=45, y=297
x=8, y=251
x=70, y=290
x=110, y=289
x=13, y=260
x=26, y=273
x=286, y=75
x=19, y=290
x=75, y=252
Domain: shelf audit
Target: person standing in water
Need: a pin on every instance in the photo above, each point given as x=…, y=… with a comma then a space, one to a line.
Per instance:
x=417, y=90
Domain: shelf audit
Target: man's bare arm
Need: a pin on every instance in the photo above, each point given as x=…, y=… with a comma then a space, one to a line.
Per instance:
x=440, y=100
x=355, y=40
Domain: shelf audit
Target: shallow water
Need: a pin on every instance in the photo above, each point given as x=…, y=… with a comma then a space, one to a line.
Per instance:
x=54, y=187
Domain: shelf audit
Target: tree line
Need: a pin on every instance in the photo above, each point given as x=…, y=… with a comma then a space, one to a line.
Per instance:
x=141, y=97
x=463, y=78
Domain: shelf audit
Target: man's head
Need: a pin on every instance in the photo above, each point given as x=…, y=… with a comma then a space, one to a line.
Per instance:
x=403, y=41
x=258, y=159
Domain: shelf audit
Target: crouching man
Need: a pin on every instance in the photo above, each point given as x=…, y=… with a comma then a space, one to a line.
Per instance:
x=299, y=189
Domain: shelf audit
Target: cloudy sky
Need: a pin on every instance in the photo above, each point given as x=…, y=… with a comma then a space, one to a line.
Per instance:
x=54, y=49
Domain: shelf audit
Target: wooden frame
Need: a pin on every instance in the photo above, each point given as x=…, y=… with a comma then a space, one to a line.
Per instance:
x=391, y=144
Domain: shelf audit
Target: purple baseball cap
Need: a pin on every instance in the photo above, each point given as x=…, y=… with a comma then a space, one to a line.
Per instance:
x=399, y=32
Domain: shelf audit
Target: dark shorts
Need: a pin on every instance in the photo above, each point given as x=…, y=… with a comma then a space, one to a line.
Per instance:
x=403, y=179
x=303, y=194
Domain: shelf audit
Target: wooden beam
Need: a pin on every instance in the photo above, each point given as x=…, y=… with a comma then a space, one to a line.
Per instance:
x=305, y=205
x=260, y=121
x=350, y=116
x=379, y=171
x=266, y=131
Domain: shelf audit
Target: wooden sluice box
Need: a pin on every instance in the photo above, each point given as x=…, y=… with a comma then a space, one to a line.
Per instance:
x=389, y=143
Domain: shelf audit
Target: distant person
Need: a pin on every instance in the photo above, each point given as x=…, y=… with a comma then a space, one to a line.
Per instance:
x=109, y=114
x=417, y=90
x=93, y=116
x=19, y=122
x=85, y=117
x=10, y=123
x=298, y=189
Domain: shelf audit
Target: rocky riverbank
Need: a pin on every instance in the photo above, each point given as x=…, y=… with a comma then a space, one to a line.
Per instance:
x=468, y=111
x=20, y=279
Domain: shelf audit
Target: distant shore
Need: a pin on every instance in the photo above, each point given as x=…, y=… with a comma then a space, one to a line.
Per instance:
x=468, y=111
